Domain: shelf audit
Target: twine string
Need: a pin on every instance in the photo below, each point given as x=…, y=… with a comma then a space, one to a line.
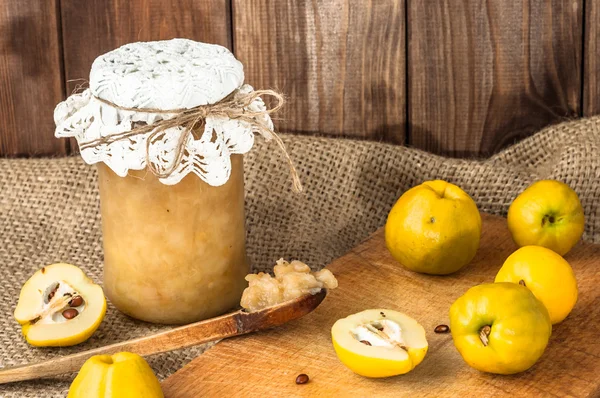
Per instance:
x=234, y=106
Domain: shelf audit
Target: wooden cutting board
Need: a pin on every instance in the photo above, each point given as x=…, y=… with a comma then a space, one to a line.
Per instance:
x=266, y=364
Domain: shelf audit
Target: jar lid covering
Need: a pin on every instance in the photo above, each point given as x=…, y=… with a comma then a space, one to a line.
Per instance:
x=164, y=75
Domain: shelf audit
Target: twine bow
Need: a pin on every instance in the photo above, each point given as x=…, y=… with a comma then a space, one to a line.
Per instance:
x=234, y=106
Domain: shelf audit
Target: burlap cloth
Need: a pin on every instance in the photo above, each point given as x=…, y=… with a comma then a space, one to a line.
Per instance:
x=49, y=212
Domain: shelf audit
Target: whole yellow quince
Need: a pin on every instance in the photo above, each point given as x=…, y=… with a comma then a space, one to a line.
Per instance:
x=549, y=214
x=500, y=327
x=434, y=228
x=122, y=375
x=546, y=274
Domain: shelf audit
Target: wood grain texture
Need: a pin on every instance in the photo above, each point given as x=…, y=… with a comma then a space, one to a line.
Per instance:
x=591, y=72
x=267, y=363
x=483, y=74
x=341, y=63
x=31, y=82
x=103, y=25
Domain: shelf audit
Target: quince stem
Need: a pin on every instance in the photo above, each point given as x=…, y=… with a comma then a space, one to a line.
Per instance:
x=484, y=334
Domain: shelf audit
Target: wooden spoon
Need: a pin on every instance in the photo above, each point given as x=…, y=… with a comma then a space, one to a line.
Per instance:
x=234, y=324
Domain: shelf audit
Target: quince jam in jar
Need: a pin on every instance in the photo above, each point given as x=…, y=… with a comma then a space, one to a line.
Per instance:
x=167, y=124
x=173, y=253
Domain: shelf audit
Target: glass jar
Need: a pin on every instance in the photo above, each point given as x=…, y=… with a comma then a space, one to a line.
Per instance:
x=173, y=253
x=172, y=201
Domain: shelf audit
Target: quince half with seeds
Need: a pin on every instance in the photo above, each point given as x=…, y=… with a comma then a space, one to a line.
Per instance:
x=379, y=343
x=60, y=306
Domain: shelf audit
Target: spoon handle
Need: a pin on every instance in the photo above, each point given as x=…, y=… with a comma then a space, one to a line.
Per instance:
x=233, y=324
x=181, y=337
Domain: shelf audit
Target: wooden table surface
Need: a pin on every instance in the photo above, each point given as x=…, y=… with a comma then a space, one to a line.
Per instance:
x=266, y=364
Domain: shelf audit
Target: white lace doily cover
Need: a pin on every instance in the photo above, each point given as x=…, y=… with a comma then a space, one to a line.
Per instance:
x=164, y=75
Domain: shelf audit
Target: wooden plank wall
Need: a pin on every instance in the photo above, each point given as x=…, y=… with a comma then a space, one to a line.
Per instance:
x=483, y=74
x=341, y=65
x=31, y=77
x=462, y=78
x=591, y=72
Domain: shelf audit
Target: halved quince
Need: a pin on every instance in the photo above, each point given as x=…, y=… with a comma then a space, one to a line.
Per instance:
x=59, y=306
x=379, y=342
